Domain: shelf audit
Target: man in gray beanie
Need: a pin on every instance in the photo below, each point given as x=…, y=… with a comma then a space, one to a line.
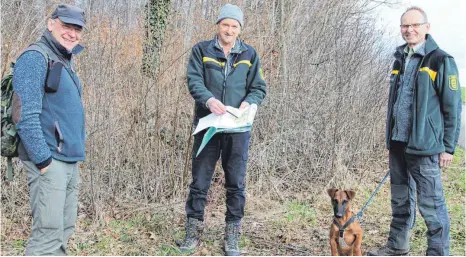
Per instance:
x=222, y=72
x=49, y=117
x=231, y=11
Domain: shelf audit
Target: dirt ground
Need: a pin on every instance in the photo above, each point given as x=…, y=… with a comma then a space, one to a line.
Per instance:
x=270, y=227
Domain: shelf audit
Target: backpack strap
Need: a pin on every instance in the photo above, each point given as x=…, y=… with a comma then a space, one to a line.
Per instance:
x=41, y=49
x=53, y=58
x=9, y=167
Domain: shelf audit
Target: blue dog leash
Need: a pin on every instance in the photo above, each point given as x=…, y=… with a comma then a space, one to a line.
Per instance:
x=361, y=212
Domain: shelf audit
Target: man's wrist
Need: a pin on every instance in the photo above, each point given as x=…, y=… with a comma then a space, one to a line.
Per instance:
x=44, y=164
x=207, y=102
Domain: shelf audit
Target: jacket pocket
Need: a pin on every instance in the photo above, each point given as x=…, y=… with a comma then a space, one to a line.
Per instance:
x=51, y=198
x=424, y=138
x=58, y=136
x=434, y=131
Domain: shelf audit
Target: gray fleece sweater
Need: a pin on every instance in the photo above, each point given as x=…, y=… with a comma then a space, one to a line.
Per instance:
x=403, y=108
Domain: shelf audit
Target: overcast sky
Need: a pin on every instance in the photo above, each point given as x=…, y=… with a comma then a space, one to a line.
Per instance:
x=447, y=20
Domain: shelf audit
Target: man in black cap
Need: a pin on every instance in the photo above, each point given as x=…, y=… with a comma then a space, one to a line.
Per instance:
x=49, y=117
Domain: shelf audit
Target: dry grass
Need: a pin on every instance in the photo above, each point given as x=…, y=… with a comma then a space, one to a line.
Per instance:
x=270, y=227
x=321, y=125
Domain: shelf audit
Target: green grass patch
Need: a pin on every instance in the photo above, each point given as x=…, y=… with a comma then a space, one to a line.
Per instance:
x=19, y=244
x=300, y=212
x=244, y=242
x=168, y=250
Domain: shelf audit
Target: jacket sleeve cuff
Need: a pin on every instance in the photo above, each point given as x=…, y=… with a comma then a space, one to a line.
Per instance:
x=44, y=163
x=249, y=100
x=452, y=153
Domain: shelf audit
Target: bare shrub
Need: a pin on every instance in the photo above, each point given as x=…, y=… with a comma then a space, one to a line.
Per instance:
x=322, y=121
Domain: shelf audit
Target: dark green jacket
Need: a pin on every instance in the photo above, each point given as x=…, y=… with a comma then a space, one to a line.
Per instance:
x=436, y=102
x=206, y=78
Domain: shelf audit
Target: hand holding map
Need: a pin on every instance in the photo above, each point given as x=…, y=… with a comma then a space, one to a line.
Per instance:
x=233, y=121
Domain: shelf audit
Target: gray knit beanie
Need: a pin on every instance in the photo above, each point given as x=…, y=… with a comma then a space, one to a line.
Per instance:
x=231, y=11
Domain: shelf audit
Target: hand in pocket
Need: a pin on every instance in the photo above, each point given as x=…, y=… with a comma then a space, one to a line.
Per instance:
x=44, y=170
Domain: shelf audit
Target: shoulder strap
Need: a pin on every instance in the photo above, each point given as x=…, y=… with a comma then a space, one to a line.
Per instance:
x=51, y=58
x=54, y=58
x=37, y=47
x=41, y=47
x=49, y=55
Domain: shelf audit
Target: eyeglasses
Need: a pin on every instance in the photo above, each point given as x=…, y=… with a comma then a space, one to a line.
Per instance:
x=414, y=25
x=69, y=27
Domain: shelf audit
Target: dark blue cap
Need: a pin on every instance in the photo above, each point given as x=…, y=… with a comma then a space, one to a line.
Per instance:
x=69, y=14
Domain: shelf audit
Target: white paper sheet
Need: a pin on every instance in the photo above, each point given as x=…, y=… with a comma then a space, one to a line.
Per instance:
x=243, y=118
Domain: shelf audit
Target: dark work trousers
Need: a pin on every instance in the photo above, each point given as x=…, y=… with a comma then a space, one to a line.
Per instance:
x=412, y=175
x=233, y=148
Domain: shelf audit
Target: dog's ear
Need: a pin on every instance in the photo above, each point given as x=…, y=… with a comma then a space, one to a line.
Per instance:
x=331, y=192
x=350, y=194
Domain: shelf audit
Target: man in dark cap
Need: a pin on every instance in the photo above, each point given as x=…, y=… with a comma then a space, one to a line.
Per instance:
x=49, y=116
x=222, y=72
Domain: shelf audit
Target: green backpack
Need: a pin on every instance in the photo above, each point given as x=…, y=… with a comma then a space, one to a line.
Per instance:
x=9, y=136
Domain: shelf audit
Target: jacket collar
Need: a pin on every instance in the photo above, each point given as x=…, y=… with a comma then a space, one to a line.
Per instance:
x=215, y=48
x=236, y=47
x=417, y=49
x=57, y=48
x=429, y=46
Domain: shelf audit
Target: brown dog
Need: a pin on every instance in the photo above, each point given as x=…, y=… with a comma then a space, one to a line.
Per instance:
x=345, y=232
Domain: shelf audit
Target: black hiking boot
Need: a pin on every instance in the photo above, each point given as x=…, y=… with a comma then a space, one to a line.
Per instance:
x=232, y=235
x=388, y=251
x=194, y=229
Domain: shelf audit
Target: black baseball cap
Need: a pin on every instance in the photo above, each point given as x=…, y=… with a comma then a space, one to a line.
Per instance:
x=69, y=14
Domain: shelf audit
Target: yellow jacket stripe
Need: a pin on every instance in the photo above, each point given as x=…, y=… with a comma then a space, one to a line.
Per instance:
x=243, y=61
x=207, y=59
x=432, y=73
x=395, y=72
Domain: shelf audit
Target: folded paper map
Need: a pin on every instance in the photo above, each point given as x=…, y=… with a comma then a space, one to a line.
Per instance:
x=233, y=121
